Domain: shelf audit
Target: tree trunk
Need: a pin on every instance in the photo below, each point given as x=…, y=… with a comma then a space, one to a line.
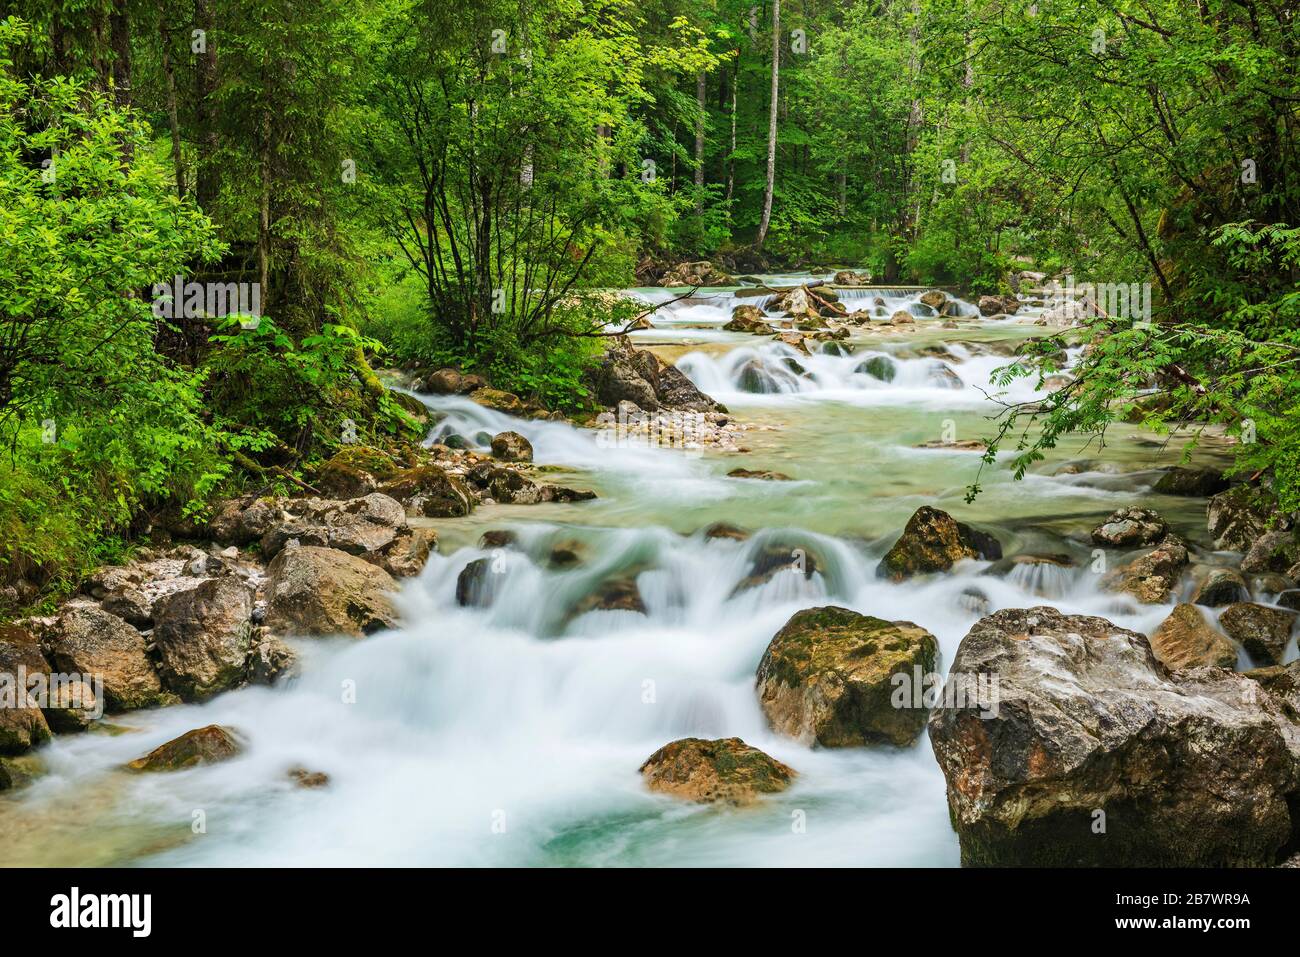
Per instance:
x=771, y=125
x=731, y=158
x=702, y=103
x=119, y=28
x=173, y=121
x=206, y=176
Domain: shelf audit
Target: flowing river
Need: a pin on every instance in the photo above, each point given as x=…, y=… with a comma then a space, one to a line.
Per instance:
x=511, y=734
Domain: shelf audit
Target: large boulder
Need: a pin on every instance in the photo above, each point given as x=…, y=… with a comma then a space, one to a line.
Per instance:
x=1097, y=756
x=1130, y=528
x=746, y=318
x=89, y=641
x=22, y=724
x=1263, y=631
x=203, y=636
x=1151, y=577
x=498, y=399
x=355, y=470
x=998, y=305
x=1186, y=640
x=1197, y=483
x=206, y=745
x=428, y=491
x=366, y=524
x=452, y=382
x=679, y=393
x=1273, y=552
x=1238, y=517
x=829, y=676
x=933, y=541
x=626, y=374
x=242, y=521
x=406, y=555
x=323, y=591
x=726, y=770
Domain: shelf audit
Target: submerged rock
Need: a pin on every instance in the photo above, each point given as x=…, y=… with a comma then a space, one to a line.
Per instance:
x=1263, y=631
x=1200, y=483
x=934, y=541
x=1130, y=528
x=1096, y=756
x=878, y=367
x=1186, y=640
x=725, y=771
x=323, y=591
x=764, y=474
x=828, y=677
x=201, y=746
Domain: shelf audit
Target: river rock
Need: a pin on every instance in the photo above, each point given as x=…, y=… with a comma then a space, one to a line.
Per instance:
x=935, y=299
x=512, y=447
x=1198, y=483
x=1219, y=587
x=725, y=530
x=90, y=641
x=934, y=541
x=1186, y=640
x=1130, y=528
x=407, y=554
x=878, y=367
x=1273, y=552
x=750, y=319
x=428, y=491
x=21, y=727
x=613, y=594
x=726, y=771
x=476, y=583
x=1151, y=577
x=453, y=382
x=364, y=525
x=203, y=636
x=498, y=399
x=1190, y=769
x=991, y=306
x=1261, y=630
x=323, y=591
x=206, y=745
x=355, y=470
x=679, y=393
x=828, y=677
x=763, y=474
x=1238, y=517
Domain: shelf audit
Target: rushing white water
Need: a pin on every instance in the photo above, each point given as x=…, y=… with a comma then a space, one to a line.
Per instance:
x=510, y=732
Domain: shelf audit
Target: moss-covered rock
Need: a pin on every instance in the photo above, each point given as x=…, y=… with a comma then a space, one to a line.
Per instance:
x=355, y=470
x=512, y=447
x=1151, y=577
x=428, y=491
x=726, y=771
x=1198, y=483
x=200, y=746
x=827, y=677
x=934, y=541
x=1263, y=631
x=506, y=402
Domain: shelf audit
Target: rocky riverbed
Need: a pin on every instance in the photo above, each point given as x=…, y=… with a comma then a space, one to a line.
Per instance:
x=743, y=616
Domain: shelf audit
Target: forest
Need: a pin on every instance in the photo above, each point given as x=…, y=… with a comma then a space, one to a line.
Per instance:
x=412, y=182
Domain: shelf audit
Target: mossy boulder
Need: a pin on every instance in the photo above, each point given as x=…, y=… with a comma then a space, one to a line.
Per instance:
x=506, y=402
x=828, y=678
x=1130, y=528
x=355, y=470
x=511, y=447
x=934, y=541
x=428, y=491
x=726, y=771
x=201, y=746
